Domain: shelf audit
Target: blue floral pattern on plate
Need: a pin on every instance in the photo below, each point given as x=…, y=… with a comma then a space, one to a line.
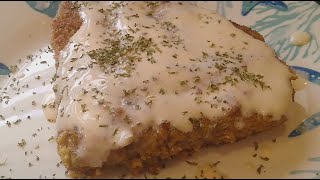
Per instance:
x=222, y=5
x=46, y=7
x=309, y=74
x=314, y=120
x=312, y=171
x=307, y=125
x=247, y=6
x=277, y=27
x=4, y=70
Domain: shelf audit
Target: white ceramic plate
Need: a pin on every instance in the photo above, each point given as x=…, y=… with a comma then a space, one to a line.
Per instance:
x=24, y=40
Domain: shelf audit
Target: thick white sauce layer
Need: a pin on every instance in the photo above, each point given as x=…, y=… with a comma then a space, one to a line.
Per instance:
x=188, y=72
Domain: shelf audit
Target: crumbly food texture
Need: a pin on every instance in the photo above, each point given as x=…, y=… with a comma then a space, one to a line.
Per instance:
x=154, y=146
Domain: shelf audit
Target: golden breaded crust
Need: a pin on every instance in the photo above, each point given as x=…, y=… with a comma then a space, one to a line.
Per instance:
x=154, y=146
x=66, y=23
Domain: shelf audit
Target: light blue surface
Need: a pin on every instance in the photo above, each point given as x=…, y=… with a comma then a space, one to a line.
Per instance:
x=316, y=172
x=278, y=25
x=51, y=10
x=247, y=6
x=4, y=70
x=307, y=125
